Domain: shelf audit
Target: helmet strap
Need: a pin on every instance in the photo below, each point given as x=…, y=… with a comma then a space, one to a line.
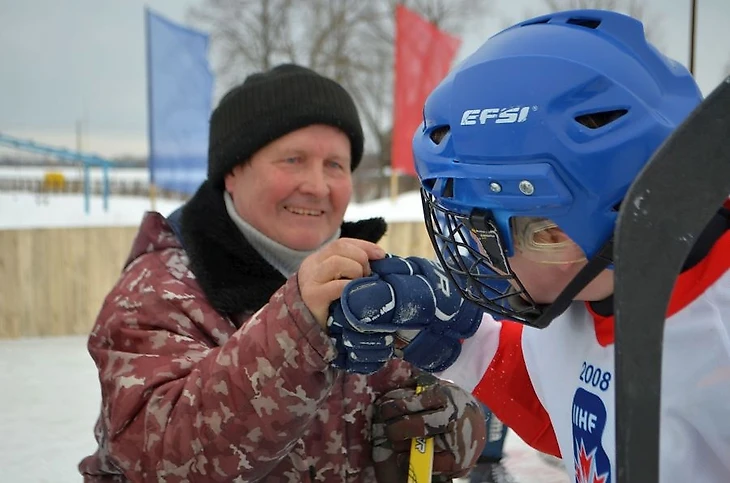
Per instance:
x=590, y=271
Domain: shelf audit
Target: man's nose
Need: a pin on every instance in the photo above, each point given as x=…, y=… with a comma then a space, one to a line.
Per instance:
x=315, y=182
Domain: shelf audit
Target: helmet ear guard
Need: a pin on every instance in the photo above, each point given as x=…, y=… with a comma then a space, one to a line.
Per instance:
x=492, y=181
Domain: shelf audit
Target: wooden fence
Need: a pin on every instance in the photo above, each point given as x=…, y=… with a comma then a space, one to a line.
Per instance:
x=53, y=281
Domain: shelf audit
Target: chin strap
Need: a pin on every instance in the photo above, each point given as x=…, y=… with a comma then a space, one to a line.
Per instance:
x=602, y=260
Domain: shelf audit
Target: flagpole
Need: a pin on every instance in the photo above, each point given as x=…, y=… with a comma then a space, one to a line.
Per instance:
x=393, y=173
x=692, y=35
x=150, y=127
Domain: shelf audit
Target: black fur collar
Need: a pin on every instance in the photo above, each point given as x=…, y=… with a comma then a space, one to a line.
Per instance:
x=234, y=277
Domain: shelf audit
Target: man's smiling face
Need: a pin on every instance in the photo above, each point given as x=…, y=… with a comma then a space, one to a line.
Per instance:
x=295, y=190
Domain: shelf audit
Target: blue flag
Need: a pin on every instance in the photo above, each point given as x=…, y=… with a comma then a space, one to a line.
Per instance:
x=180, y=90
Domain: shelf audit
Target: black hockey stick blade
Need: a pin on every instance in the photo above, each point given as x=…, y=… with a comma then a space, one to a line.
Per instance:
x=666, y=208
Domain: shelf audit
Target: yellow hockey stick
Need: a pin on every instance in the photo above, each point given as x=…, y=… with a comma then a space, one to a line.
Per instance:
x=420, y=464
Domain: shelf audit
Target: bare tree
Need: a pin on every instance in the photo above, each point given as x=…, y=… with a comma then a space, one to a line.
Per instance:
x=556, y=5
x=351, y=41
x=635, y=8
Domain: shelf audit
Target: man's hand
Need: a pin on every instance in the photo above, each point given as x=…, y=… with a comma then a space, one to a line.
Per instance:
x=443, y=411
x=323, y=274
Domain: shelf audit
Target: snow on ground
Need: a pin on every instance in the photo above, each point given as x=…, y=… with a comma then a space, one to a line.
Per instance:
x=50, y=400
x=30, y=210
x=74, y=173
x=405, y=208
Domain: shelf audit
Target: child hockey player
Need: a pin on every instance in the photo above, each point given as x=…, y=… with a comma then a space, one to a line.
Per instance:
x=525, y=154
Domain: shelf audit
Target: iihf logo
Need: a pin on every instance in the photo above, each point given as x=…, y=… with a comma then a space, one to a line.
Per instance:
x=589, y=421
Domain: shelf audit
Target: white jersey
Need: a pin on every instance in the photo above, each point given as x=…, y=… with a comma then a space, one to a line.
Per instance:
x=555, y=387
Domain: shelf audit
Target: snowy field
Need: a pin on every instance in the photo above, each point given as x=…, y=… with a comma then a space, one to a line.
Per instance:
x=51, y=399
x=75, y=173
x=30, y=210
x=20, y=210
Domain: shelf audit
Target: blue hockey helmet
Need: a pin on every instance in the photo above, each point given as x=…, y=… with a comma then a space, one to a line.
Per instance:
x=551, y=118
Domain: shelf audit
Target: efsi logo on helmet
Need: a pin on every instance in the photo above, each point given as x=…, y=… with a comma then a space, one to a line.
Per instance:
x=503, y=115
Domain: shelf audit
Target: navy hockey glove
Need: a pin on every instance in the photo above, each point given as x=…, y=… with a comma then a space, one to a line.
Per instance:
x=357, y=352
x=413, y=298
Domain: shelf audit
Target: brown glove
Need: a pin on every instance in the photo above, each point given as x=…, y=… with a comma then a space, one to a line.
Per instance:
x=445, y=411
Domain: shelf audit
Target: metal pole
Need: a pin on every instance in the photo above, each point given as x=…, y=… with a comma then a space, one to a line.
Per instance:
x=692, y=35
x=87, y=189
x=150, y=117
x=79, y=148
x=106, y=187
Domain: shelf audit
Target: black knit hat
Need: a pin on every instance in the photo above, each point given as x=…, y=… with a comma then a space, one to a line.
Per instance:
x=269, y=105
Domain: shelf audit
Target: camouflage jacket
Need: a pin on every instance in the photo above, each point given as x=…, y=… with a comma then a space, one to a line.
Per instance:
x=212, y=368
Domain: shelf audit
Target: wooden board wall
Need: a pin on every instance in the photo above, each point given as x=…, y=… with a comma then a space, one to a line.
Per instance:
x=53, y=281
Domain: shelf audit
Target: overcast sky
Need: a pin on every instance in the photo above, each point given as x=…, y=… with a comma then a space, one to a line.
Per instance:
x=71, y=60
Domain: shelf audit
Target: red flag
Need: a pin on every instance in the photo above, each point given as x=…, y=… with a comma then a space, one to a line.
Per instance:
x=423, y=57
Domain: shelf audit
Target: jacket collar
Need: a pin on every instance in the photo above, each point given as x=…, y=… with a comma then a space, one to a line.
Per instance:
x=233, y=276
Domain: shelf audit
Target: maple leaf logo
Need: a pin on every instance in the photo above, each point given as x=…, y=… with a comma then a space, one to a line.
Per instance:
x=585, y=467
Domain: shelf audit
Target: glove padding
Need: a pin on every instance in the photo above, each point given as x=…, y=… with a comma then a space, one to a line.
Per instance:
x=358, y=352
x=443, y=411
x=405, y=296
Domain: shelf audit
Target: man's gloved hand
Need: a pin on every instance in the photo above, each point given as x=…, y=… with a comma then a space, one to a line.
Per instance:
x=443, y=411
x=411, y=298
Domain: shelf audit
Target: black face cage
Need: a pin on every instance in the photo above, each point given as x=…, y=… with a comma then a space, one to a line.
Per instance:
x=472, y=254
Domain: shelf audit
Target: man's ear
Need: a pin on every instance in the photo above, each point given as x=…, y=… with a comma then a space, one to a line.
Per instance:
x=228, y=183
x=231, y=178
